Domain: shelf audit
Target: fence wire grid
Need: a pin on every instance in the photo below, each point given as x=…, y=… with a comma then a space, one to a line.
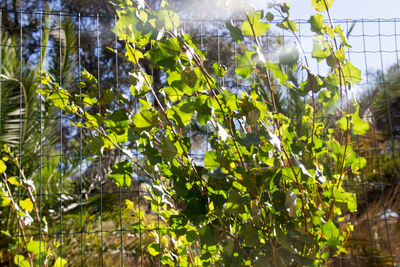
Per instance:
x=86, y=216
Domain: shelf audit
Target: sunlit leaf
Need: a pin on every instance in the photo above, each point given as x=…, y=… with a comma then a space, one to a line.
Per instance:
x=3, y=166
x=245, y=64
x=254, y=26
x=321, y=5
x=146, y=119
x=26, y=204
x=122, y=174
x=60, y=262
x=316, y=21
x=321, y=48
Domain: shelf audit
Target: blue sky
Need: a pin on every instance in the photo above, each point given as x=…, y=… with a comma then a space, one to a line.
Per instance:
x=355, y=9
x=375, y=44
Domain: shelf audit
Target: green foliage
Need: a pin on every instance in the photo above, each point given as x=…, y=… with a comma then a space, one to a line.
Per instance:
x=267, y=192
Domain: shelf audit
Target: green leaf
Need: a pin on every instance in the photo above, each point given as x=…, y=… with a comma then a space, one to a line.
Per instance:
x=235, y=32
x=19, y=260
x=316, y=23
x=331, y=233
x=139, y=83
x=358, y=164
x=169, y=18
x=107, y=97
x=60, y=262
x=344, y=122
x=203, y=109
x=95, y=145
x=36, y=247
x=210, y=160
x=347, y=198
x=351, y=73
x=154, y=249
x=219, y=69
x=13, y=180
x=126, y=27
x=245, y=64
x=59, y=98
x=173, y=93
x=269, y=16
x=145, y=120
x=321, y=48
x=208, y=235
x=254, y=23
x=360, y=127
x=320, y=5
x=3, y=166
x=287, y=24
x=189, y=77
x=122, y=174
x=339, y=30
x=168, y=150
x=133, y=55
x=250, y=235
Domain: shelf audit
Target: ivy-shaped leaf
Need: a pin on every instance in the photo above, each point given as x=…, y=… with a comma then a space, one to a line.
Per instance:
x=169, y=18
x=331, y=233
x=254, y=23
x=351, y=73
x=360, y=127
x=210, y=160
x=122, y=174
x=36, y=247
x=245, y=64
x=316, y=21
x=59, y=98
x=321, y=48
x=321, y=5
x=168, y=150
x=145, y=120
x=235, y=32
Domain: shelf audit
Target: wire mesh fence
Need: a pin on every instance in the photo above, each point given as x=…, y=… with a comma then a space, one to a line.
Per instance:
x=86, y=216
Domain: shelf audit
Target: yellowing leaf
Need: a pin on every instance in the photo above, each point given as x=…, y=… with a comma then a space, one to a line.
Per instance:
x=27, y=204
x=13, y=180
x=3, y=166
x=60, y=262
x=321, y=5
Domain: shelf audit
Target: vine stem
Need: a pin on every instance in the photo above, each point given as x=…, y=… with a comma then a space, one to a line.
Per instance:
x=124, y=151
x=193, y=167
x=311, y=81
x=299, y=186
x=342, y=80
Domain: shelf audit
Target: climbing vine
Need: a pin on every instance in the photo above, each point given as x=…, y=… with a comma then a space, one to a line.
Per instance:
x=266, y=192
